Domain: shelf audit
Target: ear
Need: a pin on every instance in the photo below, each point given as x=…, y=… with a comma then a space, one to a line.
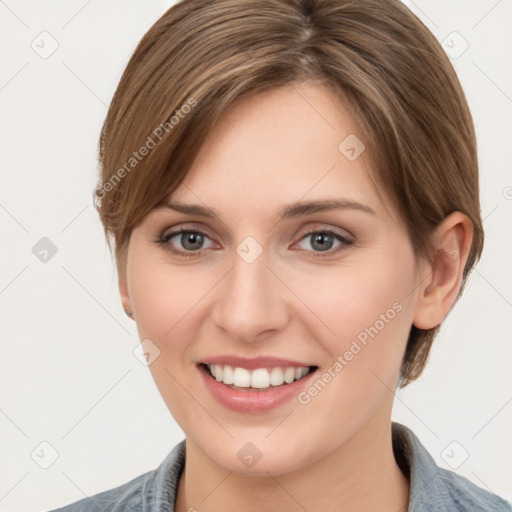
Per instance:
x=442, y=278
x=125, y=296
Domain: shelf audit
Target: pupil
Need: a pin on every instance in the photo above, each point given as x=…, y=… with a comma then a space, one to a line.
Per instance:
x=321, y=240
x=189, y=239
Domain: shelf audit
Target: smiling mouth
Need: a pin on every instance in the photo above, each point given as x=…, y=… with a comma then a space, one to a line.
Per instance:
x=259, y=379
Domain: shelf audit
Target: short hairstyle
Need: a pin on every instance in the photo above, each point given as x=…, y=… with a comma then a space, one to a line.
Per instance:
x=390, y=70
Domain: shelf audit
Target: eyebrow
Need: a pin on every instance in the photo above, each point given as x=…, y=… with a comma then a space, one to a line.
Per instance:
x=288, y=211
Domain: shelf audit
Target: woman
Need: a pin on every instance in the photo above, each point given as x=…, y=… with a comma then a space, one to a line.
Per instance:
x=291, y=189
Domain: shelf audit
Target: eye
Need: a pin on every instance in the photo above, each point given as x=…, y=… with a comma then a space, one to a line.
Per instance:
x=191, y=242
x=324, y=240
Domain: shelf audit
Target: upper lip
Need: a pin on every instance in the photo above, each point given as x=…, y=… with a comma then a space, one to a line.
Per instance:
x=253, y=362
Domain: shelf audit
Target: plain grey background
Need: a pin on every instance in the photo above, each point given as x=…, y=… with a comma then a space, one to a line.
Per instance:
x=79, y=412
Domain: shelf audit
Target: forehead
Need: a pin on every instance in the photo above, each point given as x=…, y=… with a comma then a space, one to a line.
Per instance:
x=294, y=143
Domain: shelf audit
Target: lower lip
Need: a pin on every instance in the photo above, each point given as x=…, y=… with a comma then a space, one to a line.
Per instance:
x=253, y=401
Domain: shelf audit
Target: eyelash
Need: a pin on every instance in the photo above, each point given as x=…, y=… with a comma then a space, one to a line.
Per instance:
x=164, y=240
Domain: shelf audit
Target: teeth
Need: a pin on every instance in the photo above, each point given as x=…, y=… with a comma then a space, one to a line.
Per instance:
x=228, y=375
x=276, y=377
x=242, y=378
x=217, y=372
x=289, y=375
x=260, y=378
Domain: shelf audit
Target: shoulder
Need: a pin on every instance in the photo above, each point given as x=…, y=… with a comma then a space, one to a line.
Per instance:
x=129, y=496
x=464, y=494
x=434, y=488
x=145, y=493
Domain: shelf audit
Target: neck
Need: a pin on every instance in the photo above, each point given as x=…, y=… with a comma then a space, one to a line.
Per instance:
x=360, y=475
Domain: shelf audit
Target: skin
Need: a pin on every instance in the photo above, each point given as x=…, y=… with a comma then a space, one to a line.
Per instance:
x=294, y=301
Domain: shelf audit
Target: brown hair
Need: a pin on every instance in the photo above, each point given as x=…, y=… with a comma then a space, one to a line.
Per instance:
x=201, y=55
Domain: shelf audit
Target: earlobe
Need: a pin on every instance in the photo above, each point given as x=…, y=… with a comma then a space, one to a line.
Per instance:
x=441, y=284
x=125, y=297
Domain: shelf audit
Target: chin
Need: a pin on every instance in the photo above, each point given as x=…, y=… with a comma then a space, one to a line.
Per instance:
x=258, y=454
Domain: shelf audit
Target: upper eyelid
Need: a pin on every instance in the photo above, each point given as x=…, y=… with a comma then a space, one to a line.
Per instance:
x=318, y=225
x=172, y=232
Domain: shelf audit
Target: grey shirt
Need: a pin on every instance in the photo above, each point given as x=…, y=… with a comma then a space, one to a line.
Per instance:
x=433, y=489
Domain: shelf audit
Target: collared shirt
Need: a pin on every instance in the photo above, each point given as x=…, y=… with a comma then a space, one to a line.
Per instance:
x=432, y=489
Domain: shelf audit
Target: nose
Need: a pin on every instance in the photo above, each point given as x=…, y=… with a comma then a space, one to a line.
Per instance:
x=251, y=304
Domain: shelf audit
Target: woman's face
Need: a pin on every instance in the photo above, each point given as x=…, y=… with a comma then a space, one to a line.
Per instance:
x=266, y=296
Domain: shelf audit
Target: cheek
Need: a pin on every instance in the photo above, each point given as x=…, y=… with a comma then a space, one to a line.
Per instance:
x=369, y=311
x=164, y=298
x=157, y=303
x=363, y=305
x=169, y=301
x=161, y=294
